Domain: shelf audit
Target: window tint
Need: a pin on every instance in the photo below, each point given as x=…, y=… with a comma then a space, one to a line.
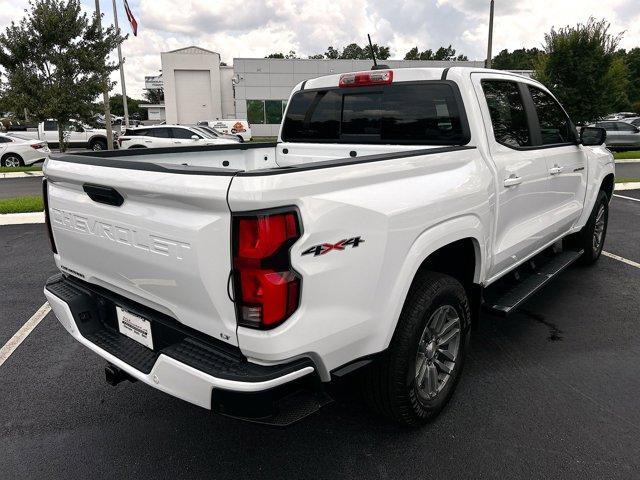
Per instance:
x=508, y=115
x=159, y=133
x=555, y=126
x=138, y=132
x=5, y=140
x=609, y=126
x=424, y=113
x=183, y=133
x=636, y=122
x=313, y=116
x=50, y=125
x=626, y=127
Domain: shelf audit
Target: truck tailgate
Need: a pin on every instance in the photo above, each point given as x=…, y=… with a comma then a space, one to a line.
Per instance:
x=166, y=246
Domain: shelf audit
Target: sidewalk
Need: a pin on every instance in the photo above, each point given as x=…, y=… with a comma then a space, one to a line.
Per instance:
x=21, y=174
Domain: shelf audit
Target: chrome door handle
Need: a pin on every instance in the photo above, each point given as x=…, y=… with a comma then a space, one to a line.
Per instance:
x=555, y=170
x=512, y=181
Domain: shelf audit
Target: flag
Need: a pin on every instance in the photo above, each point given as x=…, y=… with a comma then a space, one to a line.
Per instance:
x=131, y=18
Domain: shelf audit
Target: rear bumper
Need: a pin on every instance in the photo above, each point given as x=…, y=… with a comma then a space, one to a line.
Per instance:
x=185, y=366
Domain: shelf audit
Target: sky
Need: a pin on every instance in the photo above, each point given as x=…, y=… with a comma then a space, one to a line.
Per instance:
x=253, y=28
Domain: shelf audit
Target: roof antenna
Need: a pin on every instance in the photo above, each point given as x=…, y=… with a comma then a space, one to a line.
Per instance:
x=373, y=55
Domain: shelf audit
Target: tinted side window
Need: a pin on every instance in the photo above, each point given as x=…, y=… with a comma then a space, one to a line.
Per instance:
x=50, y=125
x=159, y=133
x=5, y=140
x=183, y=133
x=555, y=126
x=636, y=122
x=626, y=127
x=609, y=126
x=508, y=116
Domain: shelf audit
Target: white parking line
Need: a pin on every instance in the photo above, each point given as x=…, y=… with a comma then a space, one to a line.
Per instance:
x=621, y=259
x=15, y=341
x=626, y=198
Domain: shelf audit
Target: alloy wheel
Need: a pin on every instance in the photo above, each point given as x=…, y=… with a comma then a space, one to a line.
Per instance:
x=598, y=229
x=438, y=351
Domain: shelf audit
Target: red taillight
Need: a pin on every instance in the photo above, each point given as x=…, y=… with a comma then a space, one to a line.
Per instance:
x=266, y=288
x=362, y=79
x=37, y=146
x=47, y=220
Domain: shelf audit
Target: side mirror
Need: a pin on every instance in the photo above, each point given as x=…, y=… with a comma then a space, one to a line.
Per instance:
x=195, y=137
x=592, y=136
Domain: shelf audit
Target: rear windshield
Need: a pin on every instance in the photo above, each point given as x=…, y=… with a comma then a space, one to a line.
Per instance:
x=426, y=113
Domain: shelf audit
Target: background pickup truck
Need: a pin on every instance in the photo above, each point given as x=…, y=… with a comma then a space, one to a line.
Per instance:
x=77, y=135
x=395, y=205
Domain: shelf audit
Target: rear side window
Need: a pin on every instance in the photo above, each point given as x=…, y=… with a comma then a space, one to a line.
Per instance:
x=159, y=133
x=508, y=115
x=138, y=132
x=50, y=125
x=555, y=126
x=427, y=113
x=626, y=127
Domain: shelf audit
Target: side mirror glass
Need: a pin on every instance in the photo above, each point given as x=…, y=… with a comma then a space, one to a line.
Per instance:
x=592, y=136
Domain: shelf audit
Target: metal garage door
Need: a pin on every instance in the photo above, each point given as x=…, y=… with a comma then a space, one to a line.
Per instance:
x=193, y=95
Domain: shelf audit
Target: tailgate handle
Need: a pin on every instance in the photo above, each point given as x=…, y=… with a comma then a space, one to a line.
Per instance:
x=102, y=194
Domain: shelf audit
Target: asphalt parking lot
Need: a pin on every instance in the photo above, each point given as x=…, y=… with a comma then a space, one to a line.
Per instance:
x=551, y=392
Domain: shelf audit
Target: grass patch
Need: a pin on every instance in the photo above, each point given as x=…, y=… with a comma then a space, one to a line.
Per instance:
x=20, y=169
x=627, y=179
x=264, y=139
x=21, y=204
x=626, y=155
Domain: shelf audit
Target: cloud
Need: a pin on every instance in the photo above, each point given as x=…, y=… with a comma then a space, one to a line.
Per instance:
x=254, y=28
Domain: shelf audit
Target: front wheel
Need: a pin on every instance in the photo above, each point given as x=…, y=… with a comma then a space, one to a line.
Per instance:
x=593, y=234
x=415, y=378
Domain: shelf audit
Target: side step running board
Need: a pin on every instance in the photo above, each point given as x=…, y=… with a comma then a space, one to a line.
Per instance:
x=507, y=294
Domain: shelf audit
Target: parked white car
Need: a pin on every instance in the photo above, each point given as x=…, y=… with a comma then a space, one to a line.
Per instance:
x=17, y=151
x=164, y=136
x=238, y=127
x=394, y=206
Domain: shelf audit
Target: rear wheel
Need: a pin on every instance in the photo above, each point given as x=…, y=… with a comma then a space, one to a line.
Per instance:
x=98, y=144
x=240, y=138
x=415, y=378
x=593, y=234
x=12, y=160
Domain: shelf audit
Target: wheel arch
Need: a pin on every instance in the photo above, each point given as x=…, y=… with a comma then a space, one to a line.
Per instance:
x=608, y=184
x=11, y=153
x=462, y=238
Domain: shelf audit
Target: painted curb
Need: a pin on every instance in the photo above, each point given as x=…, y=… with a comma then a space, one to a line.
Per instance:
x=628, y=160
x=21, y=218
x=627, y=186
x=20, y=174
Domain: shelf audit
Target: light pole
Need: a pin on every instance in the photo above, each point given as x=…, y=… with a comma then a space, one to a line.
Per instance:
x=489, y=56
x=124, y=88
x=105, y=93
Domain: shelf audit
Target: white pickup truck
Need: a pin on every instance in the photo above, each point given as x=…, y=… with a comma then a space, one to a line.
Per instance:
x=76, y=134
x=395, y=204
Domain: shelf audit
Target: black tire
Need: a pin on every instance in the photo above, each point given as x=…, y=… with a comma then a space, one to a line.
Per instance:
x=136, y=146
x=98, y=145
x=240, y=138
x=389, y=384
x=587, y=236
x=6, y=158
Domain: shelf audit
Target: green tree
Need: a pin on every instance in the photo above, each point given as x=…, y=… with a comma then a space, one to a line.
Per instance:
x=519, y=59
x=581, y=67
x=332, y=53
x=154, y=95
x=117, y=107
x=291, y=54
x=55, y=61
x=633, y=64
x=443, y=53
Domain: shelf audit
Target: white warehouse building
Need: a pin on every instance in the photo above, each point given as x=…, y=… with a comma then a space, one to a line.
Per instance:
x=198, y=87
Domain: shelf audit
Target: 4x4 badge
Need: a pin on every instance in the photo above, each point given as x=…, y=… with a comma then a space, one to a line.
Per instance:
x=328, y=247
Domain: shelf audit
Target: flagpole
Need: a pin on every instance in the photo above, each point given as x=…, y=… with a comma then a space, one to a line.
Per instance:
x=124, y=88
x=105, y=93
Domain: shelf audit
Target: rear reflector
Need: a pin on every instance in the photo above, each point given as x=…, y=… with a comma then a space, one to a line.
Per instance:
x=363, y=79
x=266, y=288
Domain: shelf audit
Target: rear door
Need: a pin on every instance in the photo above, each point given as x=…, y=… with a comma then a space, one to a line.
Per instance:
x=159, y=137
x=565, y=159
x=165, y=246
x=522, y=225
x=628, y=134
